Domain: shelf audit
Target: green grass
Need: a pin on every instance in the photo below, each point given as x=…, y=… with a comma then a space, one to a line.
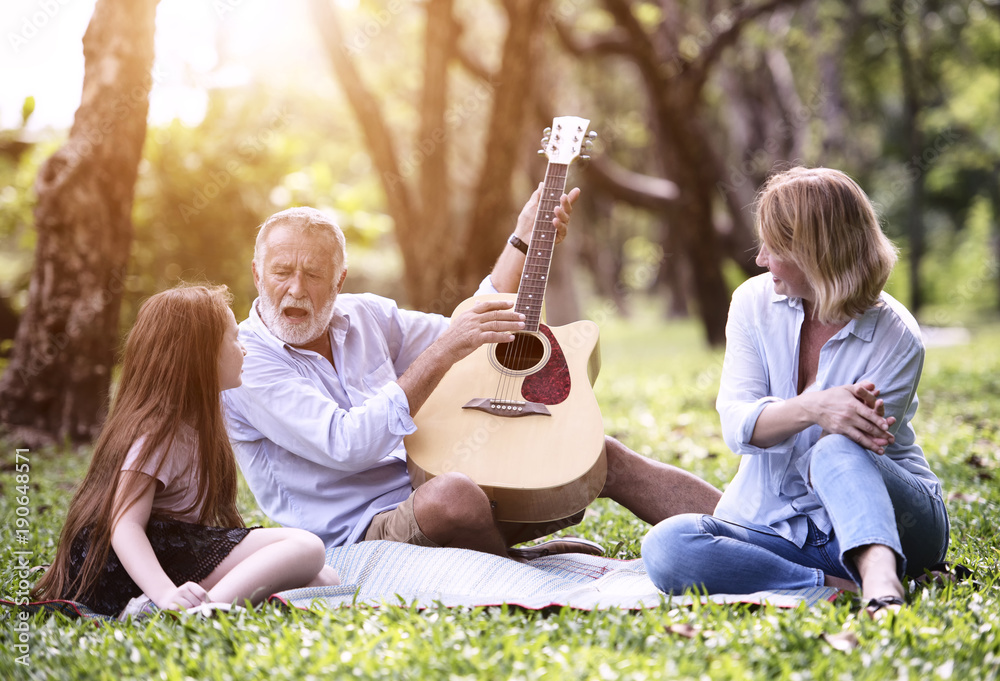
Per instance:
x=657, y=390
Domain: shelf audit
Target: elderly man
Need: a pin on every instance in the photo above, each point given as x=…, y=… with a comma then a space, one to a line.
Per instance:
x=329, y=393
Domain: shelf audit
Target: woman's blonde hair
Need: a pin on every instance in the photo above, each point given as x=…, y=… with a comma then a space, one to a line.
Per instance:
x=170, y=377
x=823, y=222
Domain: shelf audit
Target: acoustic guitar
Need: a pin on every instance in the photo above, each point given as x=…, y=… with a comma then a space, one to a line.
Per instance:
x=521, y=418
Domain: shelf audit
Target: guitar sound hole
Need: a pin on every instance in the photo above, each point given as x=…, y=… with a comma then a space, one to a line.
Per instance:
x=525, y=352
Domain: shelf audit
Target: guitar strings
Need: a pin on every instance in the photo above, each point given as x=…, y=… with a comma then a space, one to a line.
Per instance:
x=510, y=384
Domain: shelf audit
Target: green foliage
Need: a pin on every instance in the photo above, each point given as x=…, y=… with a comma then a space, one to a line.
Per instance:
x=17, y=201
x=657, y=390
x=203, y=192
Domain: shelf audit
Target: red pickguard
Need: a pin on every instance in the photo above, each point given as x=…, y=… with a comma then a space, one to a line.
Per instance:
x=551, y=384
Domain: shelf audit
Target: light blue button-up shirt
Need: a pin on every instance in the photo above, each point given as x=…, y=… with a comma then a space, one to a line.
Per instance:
x=322, y=447
x=761, y=365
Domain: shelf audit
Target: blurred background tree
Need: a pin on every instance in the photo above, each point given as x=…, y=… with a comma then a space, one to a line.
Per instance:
x=55, y=385
x=416, y=126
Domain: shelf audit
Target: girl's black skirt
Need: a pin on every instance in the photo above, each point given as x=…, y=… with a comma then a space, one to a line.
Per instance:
x=187, y=553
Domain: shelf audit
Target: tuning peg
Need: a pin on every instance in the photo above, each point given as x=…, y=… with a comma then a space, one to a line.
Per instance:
x=588, y=144
x=592, y=134
x=547, y=131
x=585, y=158
x=541, y=152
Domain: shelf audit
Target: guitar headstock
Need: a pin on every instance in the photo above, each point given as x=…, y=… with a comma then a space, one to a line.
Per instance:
x=567, y=139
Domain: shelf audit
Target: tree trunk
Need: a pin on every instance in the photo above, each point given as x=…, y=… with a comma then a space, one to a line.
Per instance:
x=56, y=385
x=562, y=300
x=674, y=82
x=446, y=248
x=914, y=145
x=493, y=209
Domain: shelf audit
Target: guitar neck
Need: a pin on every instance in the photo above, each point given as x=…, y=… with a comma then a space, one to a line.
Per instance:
x=535, y=277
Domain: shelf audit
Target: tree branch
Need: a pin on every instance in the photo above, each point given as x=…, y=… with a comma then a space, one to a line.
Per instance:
x=641, y=48
x=469, y=62
x=369, y=116
x=614, y=41
x=646, y=191
x=728, y=36
x=439, y=46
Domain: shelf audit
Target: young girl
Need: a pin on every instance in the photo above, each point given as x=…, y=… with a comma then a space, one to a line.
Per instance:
x=156, y=513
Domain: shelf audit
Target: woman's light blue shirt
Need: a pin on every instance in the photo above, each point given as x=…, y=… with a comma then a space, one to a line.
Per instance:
x=884, y=346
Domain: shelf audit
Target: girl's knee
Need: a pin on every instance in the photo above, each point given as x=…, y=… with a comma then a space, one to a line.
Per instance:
x=304, y=548
x=327, y=576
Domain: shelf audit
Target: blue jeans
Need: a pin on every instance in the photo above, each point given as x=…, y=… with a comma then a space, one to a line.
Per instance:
x=870, y=500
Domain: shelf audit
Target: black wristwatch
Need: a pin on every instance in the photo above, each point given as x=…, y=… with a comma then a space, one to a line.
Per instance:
x=518, y=244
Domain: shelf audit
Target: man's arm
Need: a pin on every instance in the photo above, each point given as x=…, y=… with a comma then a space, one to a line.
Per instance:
x=485, y=322
x=506, y=275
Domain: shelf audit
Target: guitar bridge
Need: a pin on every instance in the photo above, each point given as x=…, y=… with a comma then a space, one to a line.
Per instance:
x=509, y=408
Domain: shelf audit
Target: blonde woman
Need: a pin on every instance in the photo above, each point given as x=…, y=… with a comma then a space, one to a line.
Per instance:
x=817, y=395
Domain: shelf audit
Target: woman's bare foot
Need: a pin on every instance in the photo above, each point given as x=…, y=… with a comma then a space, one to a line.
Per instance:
x=880, y=585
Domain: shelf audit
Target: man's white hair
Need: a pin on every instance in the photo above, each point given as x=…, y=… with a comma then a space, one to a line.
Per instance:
x=307, y=220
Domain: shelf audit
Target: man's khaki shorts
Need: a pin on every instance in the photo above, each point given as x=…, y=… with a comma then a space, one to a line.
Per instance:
x=398, y=524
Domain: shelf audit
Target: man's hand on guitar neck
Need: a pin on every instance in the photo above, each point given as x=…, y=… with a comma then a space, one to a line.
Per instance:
x=506, y=274
x=486, y=322
x=526, y=219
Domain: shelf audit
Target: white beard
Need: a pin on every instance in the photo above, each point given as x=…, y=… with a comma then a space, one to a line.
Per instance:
x=295, y=334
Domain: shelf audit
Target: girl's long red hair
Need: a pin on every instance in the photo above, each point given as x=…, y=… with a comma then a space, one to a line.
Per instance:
x=170, y=376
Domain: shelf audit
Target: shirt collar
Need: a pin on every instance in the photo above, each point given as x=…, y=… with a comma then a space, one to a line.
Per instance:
x=792, y=302
x=339, y=326
x=862, y=328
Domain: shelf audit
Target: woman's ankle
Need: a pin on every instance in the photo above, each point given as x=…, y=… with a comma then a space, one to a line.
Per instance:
x=877, y=565
x=840, y=583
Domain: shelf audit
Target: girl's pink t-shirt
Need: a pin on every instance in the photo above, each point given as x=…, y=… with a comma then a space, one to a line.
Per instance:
x=177, y=479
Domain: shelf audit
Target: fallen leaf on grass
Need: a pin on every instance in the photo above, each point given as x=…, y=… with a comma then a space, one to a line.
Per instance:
x=686, y=630
x=845, y=641
x=968, y=498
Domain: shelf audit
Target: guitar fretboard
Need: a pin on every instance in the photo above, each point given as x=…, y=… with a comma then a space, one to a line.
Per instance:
x=531, y=291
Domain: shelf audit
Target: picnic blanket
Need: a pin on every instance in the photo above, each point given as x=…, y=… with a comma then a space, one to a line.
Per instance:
x=390, y=573
x=379, y=573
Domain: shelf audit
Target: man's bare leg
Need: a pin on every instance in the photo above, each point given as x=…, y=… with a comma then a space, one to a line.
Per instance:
x=451, y=510
x=654, y=491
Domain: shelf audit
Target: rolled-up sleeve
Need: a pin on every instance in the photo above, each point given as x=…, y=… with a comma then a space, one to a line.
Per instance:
x=486, y=286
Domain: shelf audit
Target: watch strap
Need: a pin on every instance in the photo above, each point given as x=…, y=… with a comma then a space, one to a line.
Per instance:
x=518, y=244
